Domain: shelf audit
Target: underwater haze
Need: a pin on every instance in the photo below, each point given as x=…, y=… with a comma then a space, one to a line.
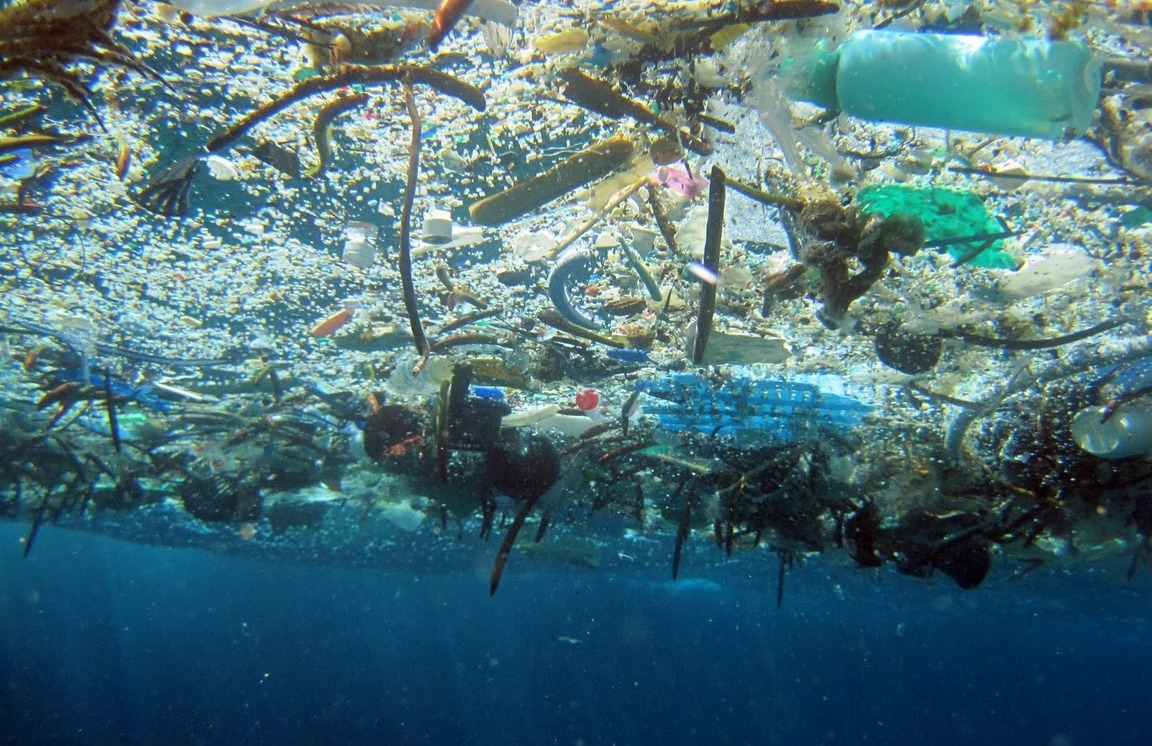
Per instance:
x=105, y=642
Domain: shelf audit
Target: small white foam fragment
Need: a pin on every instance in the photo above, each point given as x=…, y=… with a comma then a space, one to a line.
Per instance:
x=533, y=246
x=690, y=235
x=176, y=391
x=497, y=38
x=307, y=496
x=221, y=168
x=1010, y=175
x=72, y=323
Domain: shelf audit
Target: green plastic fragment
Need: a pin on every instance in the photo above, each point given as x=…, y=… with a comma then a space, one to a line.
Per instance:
x=304, y=73
x=1136, y=217
x=946, y=213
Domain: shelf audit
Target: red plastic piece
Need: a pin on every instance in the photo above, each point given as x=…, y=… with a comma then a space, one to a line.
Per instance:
x=587, y=400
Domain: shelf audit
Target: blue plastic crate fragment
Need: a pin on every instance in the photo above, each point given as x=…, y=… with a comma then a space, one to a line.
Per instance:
x=787, y=409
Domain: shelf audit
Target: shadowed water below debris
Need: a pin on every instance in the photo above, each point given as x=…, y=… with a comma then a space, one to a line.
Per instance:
x=107, y=642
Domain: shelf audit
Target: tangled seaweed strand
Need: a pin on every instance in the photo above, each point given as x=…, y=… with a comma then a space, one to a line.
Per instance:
x=322, y=124
x=166, y=193
x=1134, y=349
x=41, y=38
x=838, y=239
x=350, y=75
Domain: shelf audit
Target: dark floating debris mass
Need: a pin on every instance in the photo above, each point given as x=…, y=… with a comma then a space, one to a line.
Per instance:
x=615, y=286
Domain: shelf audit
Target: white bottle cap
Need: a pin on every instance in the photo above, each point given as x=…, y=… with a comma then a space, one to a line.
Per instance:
x=437, y=226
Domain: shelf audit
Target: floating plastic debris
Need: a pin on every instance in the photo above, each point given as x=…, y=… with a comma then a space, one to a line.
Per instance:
x=1034, y=88
x=1124, y=432
x=221, y=168
x=785, y=409
x=737, y=348
x=946, y=214
x=625, y=99
x=358, y=248
x=563, y=42
x=587, y=400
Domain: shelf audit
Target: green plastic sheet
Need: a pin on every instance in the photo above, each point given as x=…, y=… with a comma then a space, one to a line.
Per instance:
x=946, y=213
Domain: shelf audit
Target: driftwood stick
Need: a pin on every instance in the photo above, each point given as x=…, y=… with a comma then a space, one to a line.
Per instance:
x=406, y=282
x=712, y=237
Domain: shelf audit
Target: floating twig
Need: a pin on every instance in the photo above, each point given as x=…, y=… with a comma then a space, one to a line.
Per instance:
x=1112, y=406
x=405, y=254
x=346, y=76
x=1057, y=179
x=31, y=327
x=624, y=450
x=772, y=199
x=626, y=411
x=937, y=396
x=1134, y=349
x=110, y=406
x=667, y=232
x=600, y=97
x=471, y=318
x=712, y=238
x=717, y=124
x=554, y=319
x=459, y=340
x=684, y=529
x=447, y=16
x=509, y=540
x=785, y=560
x=166, y=193
x=778, y=10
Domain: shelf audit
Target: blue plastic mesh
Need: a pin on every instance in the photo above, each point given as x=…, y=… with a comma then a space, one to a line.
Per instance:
x=787, y=409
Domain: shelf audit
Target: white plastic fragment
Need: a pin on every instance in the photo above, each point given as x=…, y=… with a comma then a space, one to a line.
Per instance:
x=1054, y=267
x=530, y=416
x=221, y=168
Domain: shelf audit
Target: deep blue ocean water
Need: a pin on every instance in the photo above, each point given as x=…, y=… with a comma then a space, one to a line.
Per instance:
x=105, y=642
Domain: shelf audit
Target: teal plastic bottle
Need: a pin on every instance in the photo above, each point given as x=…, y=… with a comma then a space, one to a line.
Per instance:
x=1032, y=88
